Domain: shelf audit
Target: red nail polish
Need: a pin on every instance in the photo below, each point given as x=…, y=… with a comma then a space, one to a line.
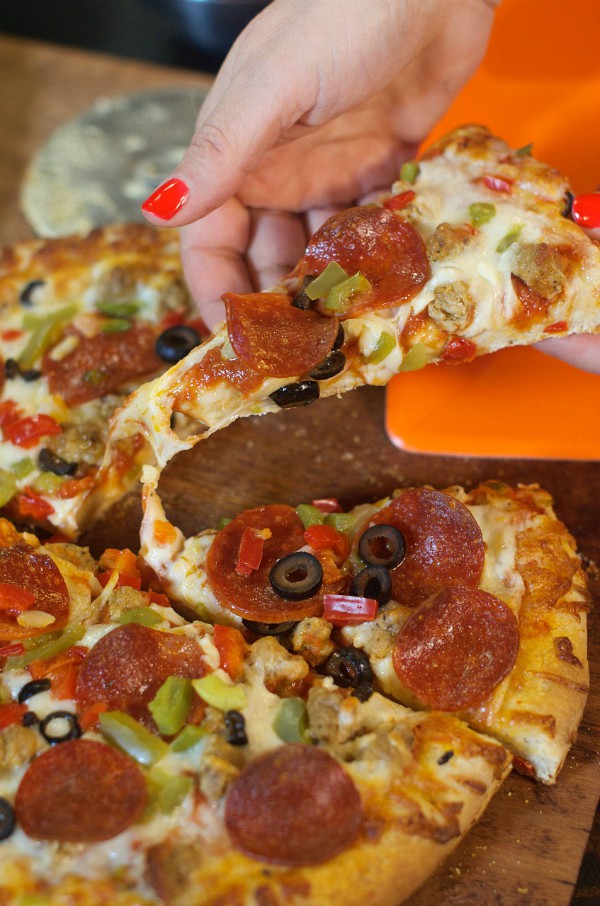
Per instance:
x=169, y=198
x=586, y=210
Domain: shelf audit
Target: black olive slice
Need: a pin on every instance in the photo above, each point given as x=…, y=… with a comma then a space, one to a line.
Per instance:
x=30, y=719
x=443, y=759
x=50, y=462
x=26, y=294
x=174, y=343
x=7, y=819
x=339, y=340
x=235, y=725
x=373, y=581
x=297, y=576
x=329, y=367
x=33, y=688
x=301, y=300
x=350, y=668
x=72, y=730
x=13, y=370
x=269, y=628
x=568, y=199
x=382, y=545
x=300, y=394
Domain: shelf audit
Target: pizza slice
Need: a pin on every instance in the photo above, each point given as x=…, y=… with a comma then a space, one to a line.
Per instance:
x=147, y=760
x=474, y=250
x=84, y=321
x=473, y=603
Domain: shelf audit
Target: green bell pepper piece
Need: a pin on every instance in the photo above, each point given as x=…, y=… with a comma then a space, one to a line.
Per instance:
x=310, y=515
x=481, y=212
x=291, y=720
x=510, y=238
x=171, y=704
x=34, y=319
x=118, y=309
x=143, y=615
x=116, y=325
x=190, y=736
x=416, y=358
x=23, y=467
x=342, y=522
x=327, y=279
x=339, y=297
x=8, y=486
x=409, y=171
x=132, y=738
x=167, y=791
x=42, y=338
x=385, y=344
x=220, y=694
x=47, y=646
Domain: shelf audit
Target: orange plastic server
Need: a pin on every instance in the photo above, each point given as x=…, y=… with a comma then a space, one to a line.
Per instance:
x=540, y=83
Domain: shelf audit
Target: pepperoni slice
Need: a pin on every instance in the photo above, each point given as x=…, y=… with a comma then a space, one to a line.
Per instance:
x=295, y=805
x=387, y=250
x=444, y=544
x=80, y=791
x=273, y=337
x=252, y=596
x=456, y=648
x=101, y=364
x=39, y=575
x=125, y=669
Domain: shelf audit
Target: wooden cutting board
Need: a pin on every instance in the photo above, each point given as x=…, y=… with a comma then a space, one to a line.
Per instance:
x=528, y=846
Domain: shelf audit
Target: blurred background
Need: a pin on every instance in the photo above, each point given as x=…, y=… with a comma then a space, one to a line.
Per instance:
x=194, y=34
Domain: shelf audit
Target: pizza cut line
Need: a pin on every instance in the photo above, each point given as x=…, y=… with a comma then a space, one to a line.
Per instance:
x=473, y=251
x=148, y=760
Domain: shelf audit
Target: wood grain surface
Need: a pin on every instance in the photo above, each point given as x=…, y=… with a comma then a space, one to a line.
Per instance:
x=527, y=849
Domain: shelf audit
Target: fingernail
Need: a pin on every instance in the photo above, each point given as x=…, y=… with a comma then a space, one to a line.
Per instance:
x=169, y=198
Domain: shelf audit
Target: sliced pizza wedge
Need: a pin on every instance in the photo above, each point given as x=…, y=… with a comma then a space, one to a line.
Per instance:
x=148, y=760
x=473, y=251
x=472, y=603
x=85, y=319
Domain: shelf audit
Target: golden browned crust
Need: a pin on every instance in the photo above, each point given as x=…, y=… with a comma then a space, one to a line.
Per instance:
x=68, y=263
x=415, y=814
x=536, y=709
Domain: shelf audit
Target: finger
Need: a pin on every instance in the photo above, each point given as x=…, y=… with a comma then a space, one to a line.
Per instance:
x=277, y=242
x=213, y=257
x=316, y=217
x=582, y=350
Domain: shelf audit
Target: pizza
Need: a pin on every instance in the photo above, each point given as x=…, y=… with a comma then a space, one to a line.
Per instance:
x=473, y=250
x=84, y=321
x=149, y=760
x=472, y=603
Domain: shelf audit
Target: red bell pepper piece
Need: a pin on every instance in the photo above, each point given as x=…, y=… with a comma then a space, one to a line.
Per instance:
x=230, y=644
x=250, y=553
x=11, y=713
x=26, y=432
x=326, y=538
x=31, y=504
x=397, y=202
x=498, y=184
x=348, y=610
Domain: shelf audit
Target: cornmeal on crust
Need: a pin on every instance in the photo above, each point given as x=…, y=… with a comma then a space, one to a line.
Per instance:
x=473, y=253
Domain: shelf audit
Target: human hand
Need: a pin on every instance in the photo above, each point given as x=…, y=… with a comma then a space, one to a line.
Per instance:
x=317, y=104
